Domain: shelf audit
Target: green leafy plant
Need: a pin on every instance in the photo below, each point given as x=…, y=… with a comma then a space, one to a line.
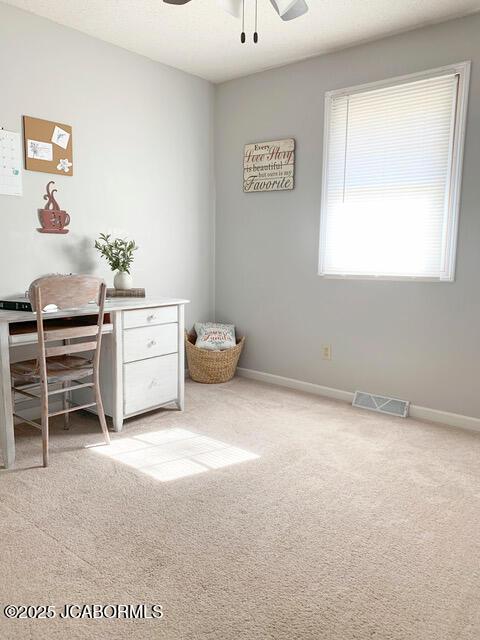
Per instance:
x=117, y=252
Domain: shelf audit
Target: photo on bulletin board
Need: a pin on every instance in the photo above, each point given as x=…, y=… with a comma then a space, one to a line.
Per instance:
x=48, y=146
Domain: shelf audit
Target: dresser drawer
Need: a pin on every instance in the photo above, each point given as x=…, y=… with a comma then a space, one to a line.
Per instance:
x=148, y=383
x=151, y=315
x=149, y=342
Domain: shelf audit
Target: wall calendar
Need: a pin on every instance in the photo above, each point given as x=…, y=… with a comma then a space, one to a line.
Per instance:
x=10, y=164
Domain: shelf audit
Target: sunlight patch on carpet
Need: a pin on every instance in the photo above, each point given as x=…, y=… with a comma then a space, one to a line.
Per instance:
x=173, y=453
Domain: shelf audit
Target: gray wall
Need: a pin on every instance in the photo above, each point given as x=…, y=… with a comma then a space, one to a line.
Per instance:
x=419, y=341
x=143, y=161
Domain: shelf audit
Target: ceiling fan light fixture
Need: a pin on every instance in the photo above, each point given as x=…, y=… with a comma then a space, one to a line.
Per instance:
x=233, y=7
x=282, y=6
x=290, y=9
x=299, y=9
x=286, y=9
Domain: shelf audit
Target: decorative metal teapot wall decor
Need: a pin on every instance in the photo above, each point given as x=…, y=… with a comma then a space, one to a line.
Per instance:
x=52, y=218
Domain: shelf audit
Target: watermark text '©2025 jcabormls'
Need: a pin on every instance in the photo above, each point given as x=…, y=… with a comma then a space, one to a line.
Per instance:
x=85, y=611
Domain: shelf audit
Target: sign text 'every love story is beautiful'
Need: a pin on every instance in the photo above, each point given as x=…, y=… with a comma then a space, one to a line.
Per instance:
x=269, y=166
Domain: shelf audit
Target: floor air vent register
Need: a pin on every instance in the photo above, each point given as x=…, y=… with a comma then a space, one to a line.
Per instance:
x=381, y=404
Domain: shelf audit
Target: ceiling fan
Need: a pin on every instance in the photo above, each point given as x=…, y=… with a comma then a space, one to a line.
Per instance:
x=286, y=9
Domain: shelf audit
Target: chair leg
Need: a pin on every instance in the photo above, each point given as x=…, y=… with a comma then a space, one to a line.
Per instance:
x=45, y=430
x=101, y=412
x=66, y=398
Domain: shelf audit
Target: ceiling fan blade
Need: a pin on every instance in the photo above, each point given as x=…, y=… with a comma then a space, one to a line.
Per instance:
x=300, y=8
x=233, y=7
x=282, y=6
x=290, y=9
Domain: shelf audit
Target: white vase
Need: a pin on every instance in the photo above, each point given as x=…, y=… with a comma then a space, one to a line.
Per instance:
x=122, y=280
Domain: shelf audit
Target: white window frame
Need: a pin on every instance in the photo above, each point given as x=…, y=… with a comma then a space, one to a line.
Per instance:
x=463, y=71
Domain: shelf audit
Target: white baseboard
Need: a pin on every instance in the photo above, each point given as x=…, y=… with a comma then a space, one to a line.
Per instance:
x=291, y=383
x=444, y=417
x=419, y=413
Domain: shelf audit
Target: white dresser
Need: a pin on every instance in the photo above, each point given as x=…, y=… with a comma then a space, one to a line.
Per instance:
x=148, y=368
x=142, y=364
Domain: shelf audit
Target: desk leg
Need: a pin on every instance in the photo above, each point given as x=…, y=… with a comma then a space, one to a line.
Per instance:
x=117, y=373
x=181, y=358
x=7, y=436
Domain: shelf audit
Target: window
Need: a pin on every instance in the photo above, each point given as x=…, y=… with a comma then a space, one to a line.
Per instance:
x=391, y=177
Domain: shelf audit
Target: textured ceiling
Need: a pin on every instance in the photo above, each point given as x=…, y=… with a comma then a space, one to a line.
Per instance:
x=204, y=40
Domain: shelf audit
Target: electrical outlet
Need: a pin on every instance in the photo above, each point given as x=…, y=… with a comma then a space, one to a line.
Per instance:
x=327, y=351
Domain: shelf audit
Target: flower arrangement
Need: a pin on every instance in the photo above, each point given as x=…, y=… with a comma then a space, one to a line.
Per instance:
x=117, y=252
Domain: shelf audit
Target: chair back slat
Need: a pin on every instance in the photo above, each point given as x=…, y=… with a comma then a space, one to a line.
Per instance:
x=66, y=349
x=66, y=292
x=67, y=333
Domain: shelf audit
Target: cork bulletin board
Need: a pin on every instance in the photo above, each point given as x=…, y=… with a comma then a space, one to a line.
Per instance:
x=48, y=146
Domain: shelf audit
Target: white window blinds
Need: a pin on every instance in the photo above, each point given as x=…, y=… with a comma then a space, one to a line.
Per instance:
x=391, y=180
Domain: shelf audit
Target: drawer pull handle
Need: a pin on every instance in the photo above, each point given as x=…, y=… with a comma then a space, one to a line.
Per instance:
x=152, y=343
x=152, y=383
x=150, y=317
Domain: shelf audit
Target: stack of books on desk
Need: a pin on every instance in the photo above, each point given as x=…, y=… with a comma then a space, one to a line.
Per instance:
x=125, y=293
x=20, y=303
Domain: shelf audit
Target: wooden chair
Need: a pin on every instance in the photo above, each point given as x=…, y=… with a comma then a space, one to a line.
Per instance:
x=62, y=364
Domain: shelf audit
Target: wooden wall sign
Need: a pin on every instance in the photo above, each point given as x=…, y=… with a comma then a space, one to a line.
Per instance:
x=52, y=218
x=269, y=166
x=48, y=146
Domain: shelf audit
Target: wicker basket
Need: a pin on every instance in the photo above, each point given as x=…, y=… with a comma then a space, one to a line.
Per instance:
x=211, y=367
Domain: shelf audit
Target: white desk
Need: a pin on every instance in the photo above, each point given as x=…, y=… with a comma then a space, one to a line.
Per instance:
x=142, y=361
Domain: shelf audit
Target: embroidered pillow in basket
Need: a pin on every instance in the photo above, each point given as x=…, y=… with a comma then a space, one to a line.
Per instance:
x=214, y=336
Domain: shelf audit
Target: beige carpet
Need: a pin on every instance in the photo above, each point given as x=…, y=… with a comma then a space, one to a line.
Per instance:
x=347, y=526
